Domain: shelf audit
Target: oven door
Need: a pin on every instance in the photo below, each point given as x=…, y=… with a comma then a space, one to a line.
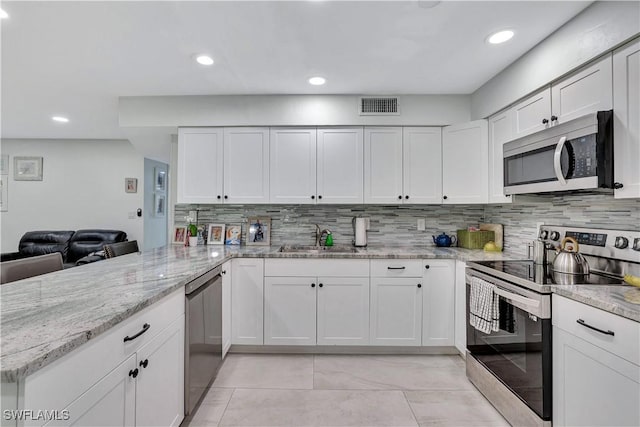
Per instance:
x=519, y=353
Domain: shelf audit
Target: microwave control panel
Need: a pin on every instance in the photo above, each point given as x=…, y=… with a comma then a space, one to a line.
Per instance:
x=583, y=160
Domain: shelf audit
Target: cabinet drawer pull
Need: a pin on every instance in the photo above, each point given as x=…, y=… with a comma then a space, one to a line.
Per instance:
x=396, y=268
x=586, y=325
x=145, y=328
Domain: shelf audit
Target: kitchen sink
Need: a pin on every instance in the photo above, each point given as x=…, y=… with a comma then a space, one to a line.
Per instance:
x=303, y=249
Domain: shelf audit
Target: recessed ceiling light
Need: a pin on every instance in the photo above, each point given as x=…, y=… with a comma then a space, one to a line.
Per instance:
x=317, y=81
x=500, y=37
x=3, y=14
x=204, y=60
x=60, y=119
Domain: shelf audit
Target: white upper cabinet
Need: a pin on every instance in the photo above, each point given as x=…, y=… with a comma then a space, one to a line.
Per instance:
x=246, y=165
x=500, y=131
x=626, y=109
x=465, y=156
x=422, y=164
x=293, y=165
x=200, y=163
x=586, y=91
x=383, y=165
x=532, y=114
x=340, y=166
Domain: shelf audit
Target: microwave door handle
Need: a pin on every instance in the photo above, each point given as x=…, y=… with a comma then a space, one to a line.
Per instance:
x=557, y=167
x=527, y=302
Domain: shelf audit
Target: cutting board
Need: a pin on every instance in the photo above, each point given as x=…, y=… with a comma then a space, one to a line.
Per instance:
x=497, y=230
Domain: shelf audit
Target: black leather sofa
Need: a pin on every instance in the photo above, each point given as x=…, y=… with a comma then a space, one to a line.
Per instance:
x=75, y=247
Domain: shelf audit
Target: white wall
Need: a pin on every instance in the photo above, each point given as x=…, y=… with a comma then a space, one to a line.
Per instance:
x=286, y=110
x=598, y=29
x=83, y=187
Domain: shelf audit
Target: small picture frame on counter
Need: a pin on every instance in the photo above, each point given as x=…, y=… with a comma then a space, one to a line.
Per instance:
x=215, y=234
x=233, y=234
x=179, y=236
x=259, y=231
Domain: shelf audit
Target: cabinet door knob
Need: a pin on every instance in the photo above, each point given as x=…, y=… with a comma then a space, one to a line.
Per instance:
x=219, y=197
x=445, y=197
x=400, y=197
x=313, y=197
x=545, y=121
x=134, y=373
x=224, y=271
x=427, y=266
x=319, y=197
x=554, y=118
x=406, y=197
x=320, y=285
x=313, y=285
x=617, y=185
x=144, y=363
x=419, y=285
x=226, y=197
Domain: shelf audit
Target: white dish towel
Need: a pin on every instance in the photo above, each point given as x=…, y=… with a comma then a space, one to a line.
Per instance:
x=484, y=314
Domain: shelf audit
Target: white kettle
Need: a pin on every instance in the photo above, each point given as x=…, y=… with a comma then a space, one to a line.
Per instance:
x=359, y=231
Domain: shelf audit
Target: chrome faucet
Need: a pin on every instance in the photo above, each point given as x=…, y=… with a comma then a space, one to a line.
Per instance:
x=319, y=234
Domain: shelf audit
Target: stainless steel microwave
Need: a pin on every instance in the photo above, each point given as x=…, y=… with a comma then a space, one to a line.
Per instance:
x=576, y=155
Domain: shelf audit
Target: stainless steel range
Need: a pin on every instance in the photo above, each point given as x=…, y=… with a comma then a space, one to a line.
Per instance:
x=511, y=364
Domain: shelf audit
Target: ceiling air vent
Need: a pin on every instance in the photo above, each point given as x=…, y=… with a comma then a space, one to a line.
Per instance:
x=379, y=106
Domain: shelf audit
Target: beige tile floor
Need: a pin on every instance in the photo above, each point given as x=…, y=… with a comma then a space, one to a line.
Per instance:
x=324, y=390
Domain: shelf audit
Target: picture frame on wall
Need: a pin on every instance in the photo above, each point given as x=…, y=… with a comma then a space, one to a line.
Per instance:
x=233, y=235
x=259, y=231
x=159, y=202
x=27, y=168
x=215, y=234
x=179, y=236
x=160, y=177
x=4, y=193
x=131, y=185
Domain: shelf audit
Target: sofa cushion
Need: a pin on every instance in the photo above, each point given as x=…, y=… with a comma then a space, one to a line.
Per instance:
x=45, y=242
x=85, y=242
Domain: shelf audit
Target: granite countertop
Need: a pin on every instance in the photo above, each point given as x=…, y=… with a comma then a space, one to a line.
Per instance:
x=48, y=316
x=605, y=297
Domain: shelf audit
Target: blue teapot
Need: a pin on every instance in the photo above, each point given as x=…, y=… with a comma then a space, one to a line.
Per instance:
x=443, y=240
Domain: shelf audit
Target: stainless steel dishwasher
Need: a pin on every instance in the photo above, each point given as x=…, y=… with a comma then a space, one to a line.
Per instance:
x=203, y=335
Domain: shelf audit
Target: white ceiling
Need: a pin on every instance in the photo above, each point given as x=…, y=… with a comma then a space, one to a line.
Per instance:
x=77, y=58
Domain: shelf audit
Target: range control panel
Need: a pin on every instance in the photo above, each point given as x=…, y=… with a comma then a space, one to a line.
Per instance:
x=593, y=239
x=616, y=244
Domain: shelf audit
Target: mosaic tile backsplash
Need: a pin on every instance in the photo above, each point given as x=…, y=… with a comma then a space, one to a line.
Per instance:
x=397, y=225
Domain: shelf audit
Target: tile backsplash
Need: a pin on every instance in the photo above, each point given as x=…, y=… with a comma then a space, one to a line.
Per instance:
x=397, y=225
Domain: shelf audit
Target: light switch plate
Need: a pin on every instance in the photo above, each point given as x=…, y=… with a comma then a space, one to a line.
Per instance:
x=421, y=224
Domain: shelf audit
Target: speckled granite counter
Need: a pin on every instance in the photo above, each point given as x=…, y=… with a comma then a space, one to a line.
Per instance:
x=607, y=298
x=46, y=317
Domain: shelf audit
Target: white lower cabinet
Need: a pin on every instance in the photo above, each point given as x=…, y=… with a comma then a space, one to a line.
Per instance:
x=396, y=311
x=596, y=374
x=290, y=310
x=117, y=382
x=160, y=382
x=438, y=303
x=316, y=310
x=226, y=307
x=247, y=277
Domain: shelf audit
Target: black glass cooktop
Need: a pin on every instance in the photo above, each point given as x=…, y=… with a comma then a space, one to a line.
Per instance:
x=543, y=275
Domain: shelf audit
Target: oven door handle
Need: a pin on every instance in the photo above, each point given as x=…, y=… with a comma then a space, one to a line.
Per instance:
x=527, y=302
x=557, y=167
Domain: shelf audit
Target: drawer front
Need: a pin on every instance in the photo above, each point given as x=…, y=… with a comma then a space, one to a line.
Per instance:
x=396, y=267
x=316, y=267
x=575, y=318
x=58, y=384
